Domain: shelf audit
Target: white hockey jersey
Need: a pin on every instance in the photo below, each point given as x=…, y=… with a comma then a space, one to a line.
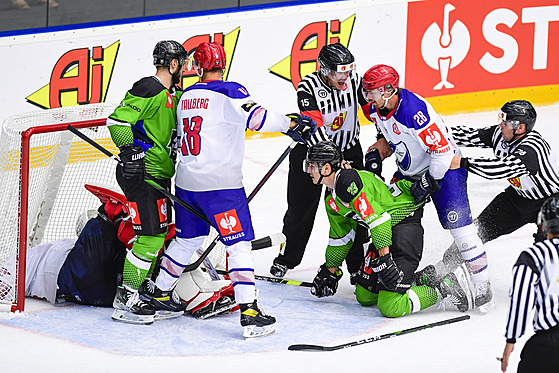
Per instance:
x=417, y=136
x=212, y=118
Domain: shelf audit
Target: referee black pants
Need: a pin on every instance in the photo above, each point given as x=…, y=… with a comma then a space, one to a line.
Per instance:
x=303, y=198
x=506, y=213
x=541, y=353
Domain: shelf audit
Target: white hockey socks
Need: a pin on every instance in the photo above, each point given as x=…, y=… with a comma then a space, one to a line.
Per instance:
x=473, y=252
x=241, y=271
x=175, y=260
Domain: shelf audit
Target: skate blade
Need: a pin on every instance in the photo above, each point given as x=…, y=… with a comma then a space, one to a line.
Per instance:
x=486, y=307
x=166, y=315
x=130, y=318
x=217, y=311
x=253, y=331
x=464, y=276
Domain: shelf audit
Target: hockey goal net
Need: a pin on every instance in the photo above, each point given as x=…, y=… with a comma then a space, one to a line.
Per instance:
x=43, y=170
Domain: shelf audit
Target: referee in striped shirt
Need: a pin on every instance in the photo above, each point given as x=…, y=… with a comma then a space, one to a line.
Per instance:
x=523, y=157
x=536, y=286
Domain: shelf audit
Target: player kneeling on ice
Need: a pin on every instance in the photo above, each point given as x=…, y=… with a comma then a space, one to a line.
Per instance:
x=396, y=237
x=88, y=270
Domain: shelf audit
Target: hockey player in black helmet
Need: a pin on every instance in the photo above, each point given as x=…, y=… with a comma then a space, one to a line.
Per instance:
x=358, y=198
x=521, y=156
x=143, y=126
x=165, y=52
x=331, y=96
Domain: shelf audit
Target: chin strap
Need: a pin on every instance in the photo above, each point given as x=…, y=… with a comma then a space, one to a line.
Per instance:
x=386, y=99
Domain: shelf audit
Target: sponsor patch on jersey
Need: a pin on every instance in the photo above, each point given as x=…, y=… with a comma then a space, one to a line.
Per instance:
x=162, y=208
x=134, y=215
x=322, y=93
x=515, y=181
x=338, y=122
x=228, y=223
x=362, y=205
x=434, y=139
x=169, y=101
x=333, y=205
x=246, y=107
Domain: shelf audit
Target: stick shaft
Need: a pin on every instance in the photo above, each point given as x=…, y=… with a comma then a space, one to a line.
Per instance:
x=305, y=347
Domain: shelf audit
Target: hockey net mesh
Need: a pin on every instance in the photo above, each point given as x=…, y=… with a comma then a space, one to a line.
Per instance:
x=60, y=164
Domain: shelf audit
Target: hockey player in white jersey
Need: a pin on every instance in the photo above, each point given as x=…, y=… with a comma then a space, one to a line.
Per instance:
x=409, y=127
x=212, y=118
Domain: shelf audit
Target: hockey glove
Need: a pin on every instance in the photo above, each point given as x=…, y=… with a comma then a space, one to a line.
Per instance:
x=388, y=272
x=373, y=162
x=424, y=187
x=303, y=130
x=132, y=158
x=325, y=283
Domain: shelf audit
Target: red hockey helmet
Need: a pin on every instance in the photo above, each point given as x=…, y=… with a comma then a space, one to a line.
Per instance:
x=209, y=56
x=381, y=76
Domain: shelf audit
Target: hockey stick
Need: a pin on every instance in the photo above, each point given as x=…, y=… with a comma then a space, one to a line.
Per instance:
x=176, y=199
x=270, y=279
x=302, y=347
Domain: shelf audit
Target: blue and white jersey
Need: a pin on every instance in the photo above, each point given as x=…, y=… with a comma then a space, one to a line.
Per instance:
x=417, y=136
x=212, y=117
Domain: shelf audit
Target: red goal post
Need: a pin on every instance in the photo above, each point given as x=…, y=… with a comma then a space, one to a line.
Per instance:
x=43, y=170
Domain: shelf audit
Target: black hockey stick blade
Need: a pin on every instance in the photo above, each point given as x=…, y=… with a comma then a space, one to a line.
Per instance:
x=304, y=347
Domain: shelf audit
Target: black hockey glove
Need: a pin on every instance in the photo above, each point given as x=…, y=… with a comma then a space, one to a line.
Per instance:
x=424, y=187
x=388, y=272
x=132, y=158
x=303, y=130
x=373, y=162
x=325, y=283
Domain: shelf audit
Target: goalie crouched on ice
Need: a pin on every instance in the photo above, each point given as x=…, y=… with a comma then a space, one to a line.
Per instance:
x=88, y=270
x=391, y=215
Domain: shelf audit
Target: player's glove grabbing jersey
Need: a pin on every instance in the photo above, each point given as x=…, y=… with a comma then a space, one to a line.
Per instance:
x=146, y=118
x=359, y=197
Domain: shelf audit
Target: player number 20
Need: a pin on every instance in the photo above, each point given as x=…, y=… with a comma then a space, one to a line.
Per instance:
x=191, y=139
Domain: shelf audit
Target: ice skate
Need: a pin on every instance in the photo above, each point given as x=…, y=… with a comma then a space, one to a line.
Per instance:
x=483, y=296
x=427, y=276
x=255, y=322
x=278, y=270
x=221, y=305
x=455, y=290
x=129, y=308
x=167, y=304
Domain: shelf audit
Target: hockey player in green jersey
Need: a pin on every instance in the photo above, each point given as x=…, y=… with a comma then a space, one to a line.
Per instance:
x=392, y=214
x=143, y=127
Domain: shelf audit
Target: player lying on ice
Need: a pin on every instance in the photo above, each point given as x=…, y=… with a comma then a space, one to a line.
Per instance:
x=396, y=237
x=88, y=270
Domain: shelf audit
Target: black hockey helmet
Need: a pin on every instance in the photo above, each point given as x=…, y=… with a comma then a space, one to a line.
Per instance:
x=519, y=111
x=322, y=153
x=167, y=50
x=549, y=216
x=335, y=57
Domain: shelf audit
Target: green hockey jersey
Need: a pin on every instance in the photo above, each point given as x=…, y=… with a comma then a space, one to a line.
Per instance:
x=147, y=117
x=359, y=197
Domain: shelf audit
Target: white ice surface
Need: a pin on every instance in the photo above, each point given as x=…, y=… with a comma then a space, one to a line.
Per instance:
x=84, y=339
